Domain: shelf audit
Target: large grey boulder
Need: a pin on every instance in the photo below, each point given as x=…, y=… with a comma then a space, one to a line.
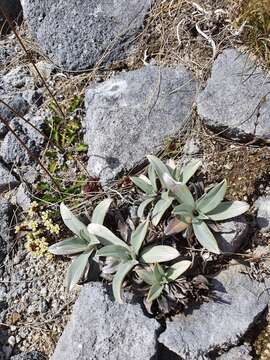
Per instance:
x=263, y=214
x=76, y=34
x=129, y=116
x=7, y=180
x=236, y=99
x=102, y=329
x=13, y=10
x=220, y=323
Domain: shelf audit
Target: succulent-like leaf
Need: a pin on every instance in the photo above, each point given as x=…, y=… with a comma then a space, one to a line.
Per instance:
x=154, y=292
x=159, y=167
x=146, y=187
x=105, y=236
x=147, y=276
x=205, y=236
x=158, y=253
x=100, y=211
x=189, y=170
x=73, y=223
x=160, y=209
x=159, y=273
x=180, y=190
x=119, y=278
x=227, y=210
x=138, y=236
x=178, y=269
x=175, y=226
x=143, y=206
x=183, y=210
x=69, y=246
x=212, y=198
x=152, y=177
x=115, y=251
x=77, y=269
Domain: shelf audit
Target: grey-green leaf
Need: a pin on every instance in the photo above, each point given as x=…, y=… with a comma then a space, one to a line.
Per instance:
x=143, y=206
x=180, y=190
x=138, y=236
x=159, y=167
x=77, y=269
x=143, y=185
x=152, y=177
x=189, y=170
x=115, y=251
x=160, y=209
x=119, y=278
x=178, y=269
x=159, y=253
x=69, y=246
x=212, y=198
x=100, y=211
x=205, y=237
x=154, y=292
x=105, y=236
x=227, y=210
x=73, y=223
x=147, y=276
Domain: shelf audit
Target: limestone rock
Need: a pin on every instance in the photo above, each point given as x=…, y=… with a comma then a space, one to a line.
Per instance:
x=77, y=34
x=129, y=116
x=12, y=151
x=218, y=324
x=236, y=98
x=237, y=353
x=263, y=215
x=7, y=180
x=102, y=329
x=15, y=102
x=33, y=355
x=232, y=234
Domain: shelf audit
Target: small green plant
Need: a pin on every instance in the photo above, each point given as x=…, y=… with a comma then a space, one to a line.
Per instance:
x=149, y=185
x=82, y=244
x=158, y=278
x=130, y=255
x=195, y=213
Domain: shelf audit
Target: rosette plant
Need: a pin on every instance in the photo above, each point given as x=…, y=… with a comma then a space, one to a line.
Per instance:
x=158, y=277
x=82, y=245
x=197, y=213
x=129, y=255
x=161, y=196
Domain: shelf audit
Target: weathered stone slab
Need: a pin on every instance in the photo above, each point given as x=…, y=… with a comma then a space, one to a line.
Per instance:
x=218, y=324
x=102, y=329
x=76, y=34
x=236, y=99
x=129, y=116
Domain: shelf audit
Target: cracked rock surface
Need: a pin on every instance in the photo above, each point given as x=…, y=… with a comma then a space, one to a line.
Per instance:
x=236, y=99
x=219, y=324
x=101, y=329
x=129, y=116
x=86, y=30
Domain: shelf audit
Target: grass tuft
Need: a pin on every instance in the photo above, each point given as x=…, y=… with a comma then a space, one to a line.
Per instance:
x=254, y=17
